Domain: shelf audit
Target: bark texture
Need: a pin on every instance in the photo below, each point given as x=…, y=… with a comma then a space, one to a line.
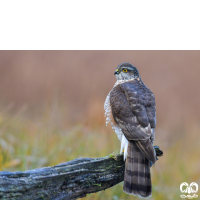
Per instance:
x=70, y=180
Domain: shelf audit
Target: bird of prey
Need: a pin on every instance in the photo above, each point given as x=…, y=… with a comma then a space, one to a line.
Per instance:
x=130, y=108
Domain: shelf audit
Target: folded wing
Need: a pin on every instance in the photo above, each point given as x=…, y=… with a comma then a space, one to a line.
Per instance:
x=133, y=109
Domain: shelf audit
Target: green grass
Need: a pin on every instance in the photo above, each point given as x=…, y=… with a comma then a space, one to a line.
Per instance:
x=27, y=144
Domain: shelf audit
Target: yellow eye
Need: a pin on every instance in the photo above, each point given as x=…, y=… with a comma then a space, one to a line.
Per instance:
x=124, y=70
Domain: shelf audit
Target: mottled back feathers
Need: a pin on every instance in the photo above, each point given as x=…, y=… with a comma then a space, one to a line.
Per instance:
x=129, y=102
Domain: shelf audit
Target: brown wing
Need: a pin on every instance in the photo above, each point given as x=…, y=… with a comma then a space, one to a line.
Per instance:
x=133, y=109
x=142, y=102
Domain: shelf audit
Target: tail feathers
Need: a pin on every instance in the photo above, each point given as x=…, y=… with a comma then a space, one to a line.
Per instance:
x=147, y=149
x=137, y=178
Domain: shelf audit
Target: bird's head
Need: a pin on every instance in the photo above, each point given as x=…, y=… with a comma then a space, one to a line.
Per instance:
x=126, y=71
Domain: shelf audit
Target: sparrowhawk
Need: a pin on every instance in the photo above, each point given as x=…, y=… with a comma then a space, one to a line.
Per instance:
x=130, y=108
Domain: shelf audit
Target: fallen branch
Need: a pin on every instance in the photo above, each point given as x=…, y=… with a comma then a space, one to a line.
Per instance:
x=70, y=180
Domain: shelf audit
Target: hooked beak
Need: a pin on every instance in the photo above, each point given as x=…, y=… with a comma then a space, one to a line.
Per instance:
x=116, y=72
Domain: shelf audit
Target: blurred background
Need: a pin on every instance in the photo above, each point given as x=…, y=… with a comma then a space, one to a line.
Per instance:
x=51, y=111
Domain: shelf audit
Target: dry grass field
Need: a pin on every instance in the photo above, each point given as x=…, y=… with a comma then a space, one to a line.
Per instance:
x=51, y=111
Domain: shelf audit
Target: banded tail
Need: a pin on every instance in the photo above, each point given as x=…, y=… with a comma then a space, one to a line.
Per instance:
x=137, y=177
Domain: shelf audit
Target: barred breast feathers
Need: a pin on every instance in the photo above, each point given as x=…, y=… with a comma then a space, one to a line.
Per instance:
x=109, y=118
x=108, y=113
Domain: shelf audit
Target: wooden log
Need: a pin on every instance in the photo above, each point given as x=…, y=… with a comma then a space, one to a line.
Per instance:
x=70, y=180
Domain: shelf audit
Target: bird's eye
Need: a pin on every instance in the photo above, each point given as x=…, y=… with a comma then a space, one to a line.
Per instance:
x=124, y=70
